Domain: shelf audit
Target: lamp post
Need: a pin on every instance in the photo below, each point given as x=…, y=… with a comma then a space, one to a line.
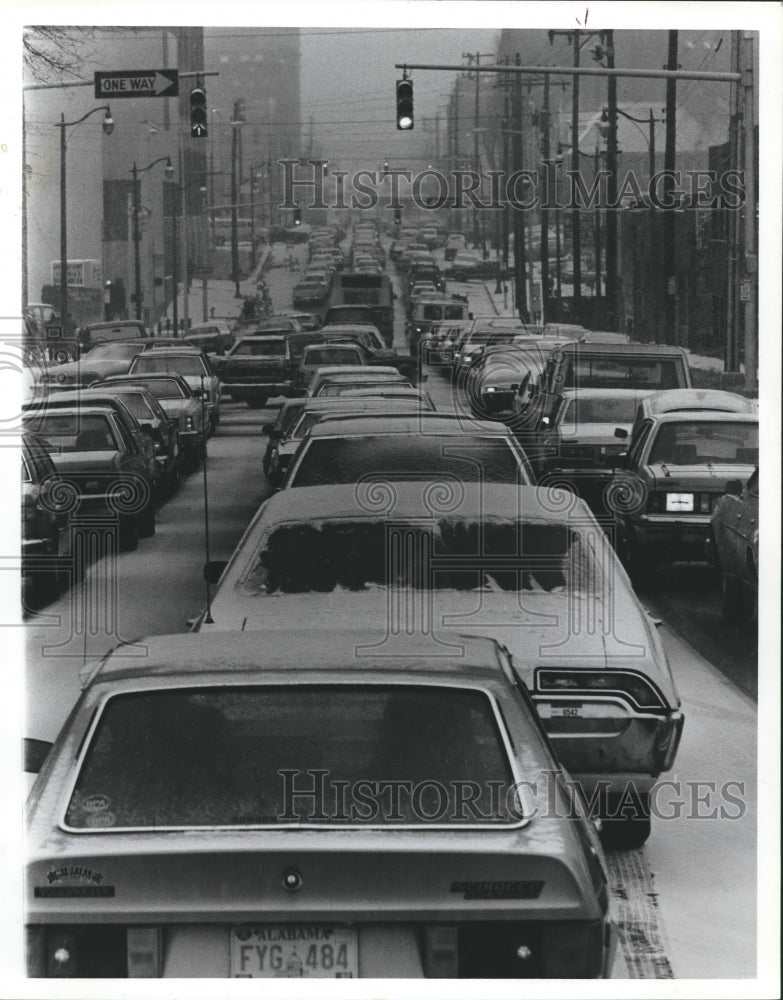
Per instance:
x=108, y=128
x=169, y=172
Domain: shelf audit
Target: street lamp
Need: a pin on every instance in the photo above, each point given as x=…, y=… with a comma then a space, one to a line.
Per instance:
x=236, y=124
x=108, y=128
x=169, y=173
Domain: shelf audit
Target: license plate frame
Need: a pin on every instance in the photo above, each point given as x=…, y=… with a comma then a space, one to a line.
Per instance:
x=294, y=951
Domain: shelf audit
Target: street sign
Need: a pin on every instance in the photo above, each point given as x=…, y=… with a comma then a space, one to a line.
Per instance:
x=137, y=83
x=204, y=270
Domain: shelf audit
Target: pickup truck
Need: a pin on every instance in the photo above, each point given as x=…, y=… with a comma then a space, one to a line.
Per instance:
x=256, y=368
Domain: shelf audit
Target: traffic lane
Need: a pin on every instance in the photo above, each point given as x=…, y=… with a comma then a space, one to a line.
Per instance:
x=154, y=589
x=703, y=861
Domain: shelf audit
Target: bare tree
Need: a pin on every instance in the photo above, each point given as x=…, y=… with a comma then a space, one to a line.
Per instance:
x=52, y=52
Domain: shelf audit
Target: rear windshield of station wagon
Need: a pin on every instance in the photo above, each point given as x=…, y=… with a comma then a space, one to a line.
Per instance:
x=213, y=756
x=448, y=554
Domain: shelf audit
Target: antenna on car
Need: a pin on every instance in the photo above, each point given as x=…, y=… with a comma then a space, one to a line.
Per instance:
x=208, y=619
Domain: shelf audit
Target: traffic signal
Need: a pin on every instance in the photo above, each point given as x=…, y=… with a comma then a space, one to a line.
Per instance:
x=297, y=216
x=405, y=105
x=198, y=113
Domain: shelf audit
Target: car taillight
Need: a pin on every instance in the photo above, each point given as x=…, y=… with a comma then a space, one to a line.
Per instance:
x=440, y=952
x=144, y=952
x=633, y=686
x=704, y=501
x=84, y=952
x=656, y=503
x=572, y=950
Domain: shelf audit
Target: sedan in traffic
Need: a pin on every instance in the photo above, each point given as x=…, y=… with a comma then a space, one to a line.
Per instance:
x=422, y=562
x=228, y=808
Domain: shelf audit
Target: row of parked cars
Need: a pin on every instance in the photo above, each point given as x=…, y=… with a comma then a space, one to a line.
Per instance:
x=110, y=436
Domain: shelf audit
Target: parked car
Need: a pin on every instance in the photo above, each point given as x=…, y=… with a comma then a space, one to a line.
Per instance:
x=123, y=411
x=214, y=337
x=102, y=361
x=180, y=406
x=163, y=432
x=735, y=538
x=420, y=562
x=677, y=468
x=256, y=368
x=172, y=831
x=421, y=445
x=101, y=465
x=194, y=367
x=45, y=517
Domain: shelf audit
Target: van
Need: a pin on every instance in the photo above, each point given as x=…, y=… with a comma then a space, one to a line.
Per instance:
x=429, y=311
x=651, y=367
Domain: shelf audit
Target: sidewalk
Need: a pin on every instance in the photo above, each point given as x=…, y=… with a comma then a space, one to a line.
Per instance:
x=220, y=296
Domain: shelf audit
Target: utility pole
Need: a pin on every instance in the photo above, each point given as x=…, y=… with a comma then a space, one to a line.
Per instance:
x=234, y=236
x=597, y=236
x=749, y=286
x=611, y=191
x=520, y=254
x=544, y=214
x=668, y=243
x=576, y=221
x=731, y=362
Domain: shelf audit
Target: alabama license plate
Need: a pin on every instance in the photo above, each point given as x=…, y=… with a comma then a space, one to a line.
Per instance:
x=294, y=951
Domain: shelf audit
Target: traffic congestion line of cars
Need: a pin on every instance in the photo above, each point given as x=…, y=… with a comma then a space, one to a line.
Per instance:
x=456, y=700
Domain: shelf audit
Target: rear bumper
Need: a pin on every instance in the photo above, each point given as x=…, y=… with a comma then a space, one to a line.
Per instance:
x=673, y=539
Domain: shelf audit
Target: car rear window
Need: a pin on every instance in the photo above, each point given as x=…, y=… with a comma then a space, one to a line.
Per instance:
x=138, y=405
x=451, y=554
x=332, y=356
x=261, y=349
x=75, y=432
x=338, y=388
x=603, y=410
x=329, y=461
x=613, y=371
x=162, y=388
x=180, y=365
x=379, y=755
x=695, y=442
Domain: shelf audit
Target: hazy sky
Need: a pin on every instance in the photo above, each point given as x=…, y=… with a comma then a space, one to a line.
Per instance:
x=348, y=76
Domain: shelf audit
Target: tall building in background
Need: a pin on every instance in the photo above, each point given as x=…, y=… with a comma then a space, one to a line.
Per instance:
x=259, y=79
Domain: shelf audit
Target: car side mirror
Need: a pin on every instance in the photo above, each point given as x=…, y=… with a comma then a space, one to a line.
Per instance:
x=620, y=432
x=35, y=753
x=213, y=570
x=734, y=487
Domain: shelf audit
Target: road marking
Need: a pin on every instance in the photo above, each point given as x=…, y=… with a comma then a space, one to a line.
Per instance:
x=641, y=934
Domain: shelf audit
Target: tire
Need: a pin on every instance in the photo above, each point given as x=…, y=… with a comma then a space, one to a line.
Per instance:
x=129, y=534
x=173, y=478
x=630, y=830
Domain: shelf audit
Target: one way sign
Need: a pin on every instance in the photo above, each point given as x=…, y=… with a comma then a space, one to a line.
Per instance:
x=137, y=83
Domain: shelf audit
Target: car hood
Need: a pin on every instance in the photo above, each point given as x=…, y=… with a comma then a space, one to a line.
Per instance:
x=86, y=371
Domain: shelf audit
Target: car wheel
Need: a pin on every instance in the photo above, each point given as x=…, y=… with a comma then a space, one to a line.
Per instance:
x=173, y=478
x=129, y=534
x=731, y=599
x=627, y=824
